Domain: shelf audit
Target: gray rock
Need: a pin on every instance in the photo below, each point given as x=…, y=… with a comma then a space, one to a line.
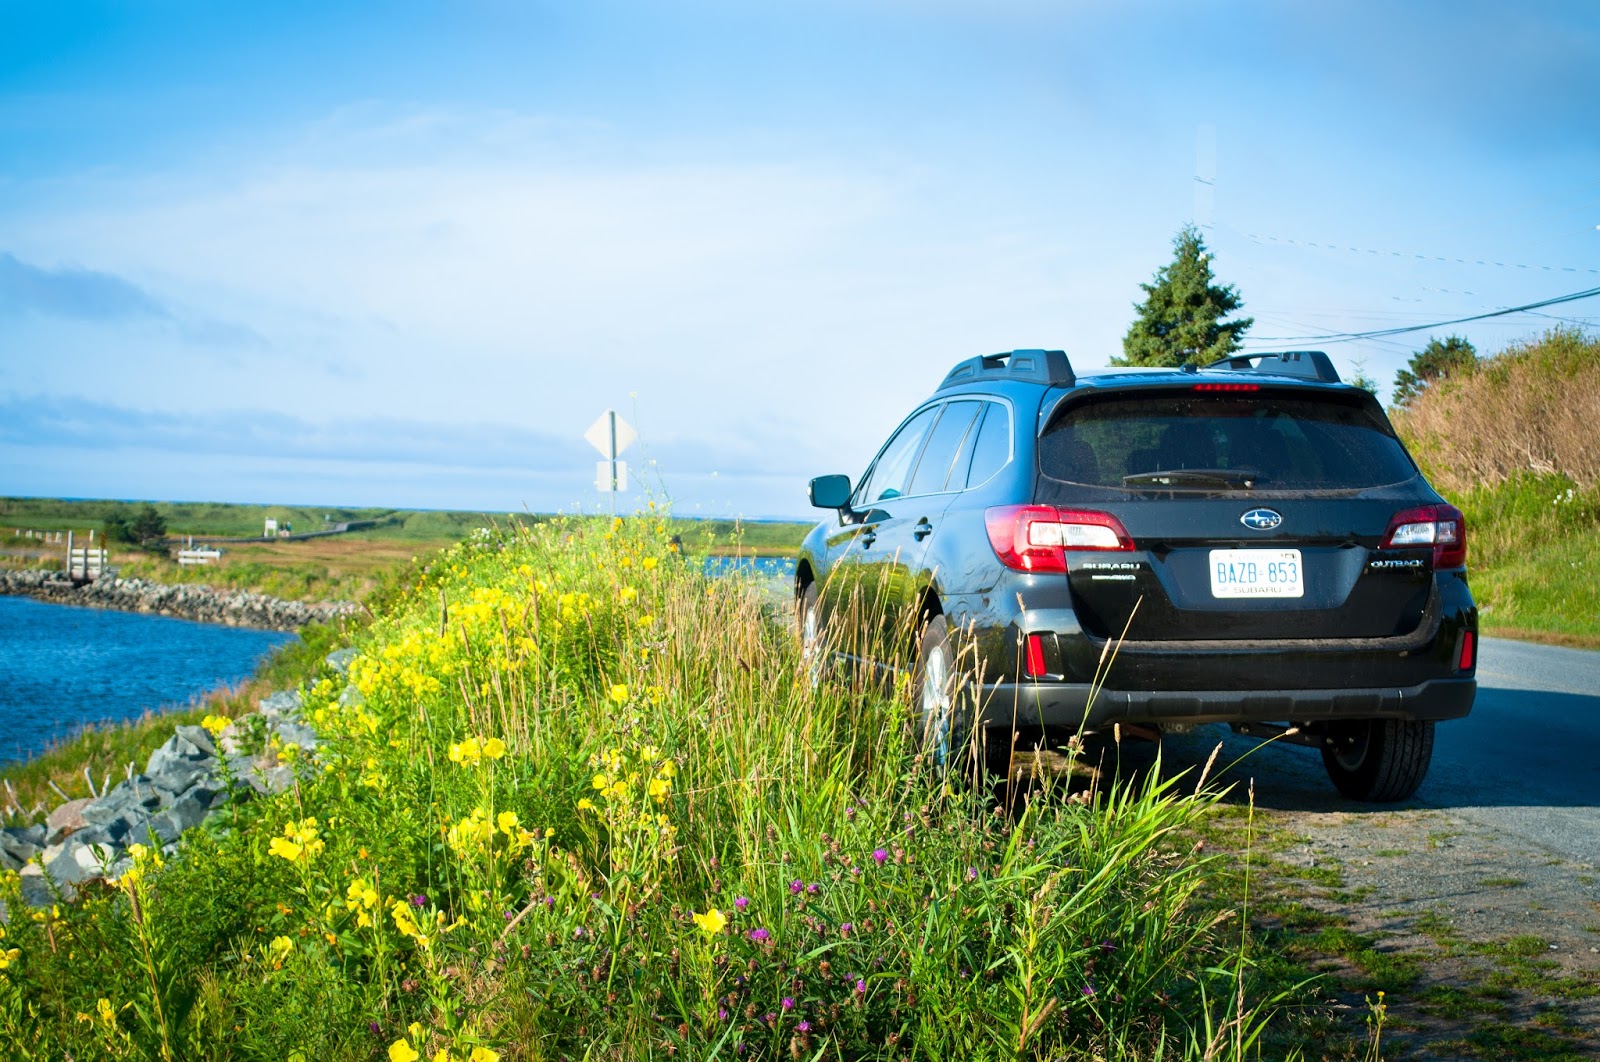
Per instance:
x=284, y=702
x=350, y=697
x=63, y=867
x=37, y=891
x=269, y=780
x=32, y=834
x=199, y=737
x=9, y=861
x=340, y=659
x=66, y=820
x=297, y=734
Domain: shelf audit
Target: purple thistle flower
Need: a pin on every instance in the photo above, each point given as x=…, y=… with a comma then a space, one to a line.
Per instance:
x=812, y=890
x=759, y=935
x=722, y=1013
x=549, y=903
x=879, y=855
x=374, y=1028
x=1088, y=990
x=741, y=902
x=802, y=1026
x=509, y=915
x=796, y=887
x=850, y=813
x=844, y=930
x=788, y=1002
x=419, y=900
x=972, y=873
x=861, y=985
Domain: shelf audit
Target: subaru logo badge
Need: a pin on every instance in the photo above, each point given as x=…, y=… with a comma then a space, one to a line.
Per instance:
x=1261, y=519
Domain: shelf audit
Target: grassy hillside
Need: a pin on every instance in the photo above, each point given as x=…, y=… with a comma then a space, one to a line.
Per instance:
x=1516, y=444
x=343, y=567
x=583, y=802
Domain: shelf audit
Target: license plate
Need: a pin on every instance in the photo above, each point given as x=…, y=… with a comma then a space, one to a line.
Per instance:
x=1257, y=573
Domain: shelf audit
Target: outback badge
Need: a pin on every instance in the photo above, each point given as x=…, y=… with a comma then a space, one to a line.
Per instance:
x=1261, y=519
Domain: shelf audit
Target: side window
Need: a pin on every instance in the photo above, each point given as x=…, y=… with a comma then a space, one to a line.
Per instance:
x=933, y=470
x=992, y=450
x=887, y=478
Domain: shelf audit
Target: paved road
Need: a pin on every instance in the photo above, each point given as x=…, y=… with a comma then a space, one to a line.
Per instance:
x=1525, y=763
x=1527, y=760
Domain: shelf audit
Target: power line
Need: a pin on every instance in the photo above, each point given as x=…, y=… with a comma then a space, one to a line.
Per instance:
x=1346, y=337
x=1259, y=238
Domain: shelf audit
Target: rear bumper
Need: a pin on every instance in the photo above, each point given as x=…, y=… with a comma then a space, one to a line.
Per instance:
x=1069, y=706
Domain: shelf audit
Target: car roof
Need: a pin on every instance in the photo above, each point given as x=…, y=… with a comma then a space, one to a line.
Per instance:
x=1032, y=369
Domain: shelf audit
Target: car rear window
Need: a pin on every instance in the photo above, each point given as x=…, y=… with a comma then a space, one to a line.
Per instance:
x=1276, y=442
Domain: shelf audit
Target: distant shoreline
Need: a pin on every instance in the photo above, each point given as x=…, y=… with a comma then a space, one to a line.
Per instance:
x=191, y=601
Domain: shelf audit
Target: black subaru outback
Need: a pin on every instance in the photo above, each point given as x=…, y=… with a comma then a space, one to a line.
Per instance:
x=1246, y=543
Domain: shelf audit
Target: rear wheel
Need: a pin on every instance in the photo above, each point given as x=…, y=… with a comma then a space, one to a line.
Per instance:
x=1378, y=759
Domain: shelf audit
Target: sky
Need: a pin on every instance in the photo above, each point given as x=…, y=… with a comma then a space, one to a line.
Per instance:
x=405, y=254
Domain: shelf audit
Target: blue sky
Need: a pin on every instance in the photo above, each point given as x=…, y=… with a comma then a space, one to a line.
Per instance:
x=404, y=254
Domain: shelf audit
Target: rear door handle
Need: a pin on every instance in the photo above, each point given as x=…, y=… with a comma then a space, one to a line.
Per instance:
x=922, y=530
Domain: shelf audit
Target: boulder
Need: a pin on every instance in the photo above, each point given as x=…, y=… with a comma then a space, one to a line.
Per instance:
x=350, y=697
x=65, y=820
x=297, y=734
x=197, y=736
x=31, y=834
x=37, y=890
x=284, y=702
x=269, y=780
x=340, y=659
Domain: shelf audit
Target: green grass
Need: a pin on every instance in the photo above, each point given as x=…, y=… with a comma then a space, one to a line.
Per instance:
x=1534, y=558
x=562, y=752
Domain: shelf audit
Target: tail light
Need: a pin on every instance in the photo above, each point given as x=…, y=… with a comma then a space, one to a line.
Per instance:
x=1440, y=526
x=1033, y=664
x=1035, y=538
x=1468, y=654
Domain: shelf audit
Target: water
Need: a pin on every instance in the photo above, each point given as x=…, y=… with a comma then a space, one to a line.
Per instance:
x=760, y=567
x=62, y=666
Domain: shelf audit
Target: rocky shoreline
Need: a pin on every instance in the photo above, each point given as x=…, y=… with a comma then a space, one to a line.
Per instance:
x=191, y=777
x=191, y=601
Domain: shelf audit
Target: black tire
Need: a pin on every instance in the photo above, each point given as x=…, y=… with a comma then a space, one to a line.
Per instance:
x=1380, y=760
x=808, y=624
x=939, y=696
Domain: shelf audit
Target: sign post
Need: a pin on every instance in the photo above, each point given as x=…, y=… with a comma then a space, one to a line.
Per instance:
x=611, y=435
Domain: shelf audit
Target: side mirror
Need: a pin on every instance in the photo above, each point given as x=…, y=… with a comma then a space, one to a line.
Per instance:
x=830, y=492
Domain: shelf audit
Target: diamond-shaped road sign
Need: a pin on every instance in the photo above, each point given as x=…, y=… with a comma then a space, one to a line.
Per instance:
x=610, y=434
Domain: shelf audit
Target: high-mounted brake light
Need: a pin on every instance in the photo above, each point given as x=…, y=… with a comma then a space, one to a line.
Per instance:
x=1035, y=538
x=1226, y=387
x=1440, y=526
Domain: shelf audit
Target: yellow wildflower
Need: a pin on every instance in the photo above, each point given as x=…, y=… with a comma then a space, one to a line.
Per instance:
x=711, y=922
x=415, y=1029
x=600, y=781
x=648, y=563
x=659, y=788
x=279, y=949
x=619, y=693
x=400, y=1051
x=586, y=804
x=483, y=1054
x=494, y=748
x=216, y=724
x=628, y=594
x=107, y=1013
x=443, y=1055
x=507, y=821
x=284, y=849
x=467, y=753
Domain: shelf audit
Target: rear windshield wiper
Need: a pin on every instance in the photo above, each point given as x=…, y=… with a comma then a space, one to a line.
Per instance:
x=1194, y=477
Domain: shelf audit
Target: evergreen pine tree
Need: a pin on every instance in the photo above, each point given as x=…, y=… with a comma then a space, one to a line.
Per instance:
x=1181, y=321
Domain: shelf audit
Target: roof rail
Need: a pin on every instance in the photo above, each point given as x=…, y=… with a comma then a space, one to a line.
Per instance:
x=1034, y=366
x=1310, y=364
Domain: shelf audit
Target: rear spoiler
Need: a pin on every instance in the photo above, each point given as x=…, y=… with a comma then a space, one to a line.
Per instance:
x=1306, y=364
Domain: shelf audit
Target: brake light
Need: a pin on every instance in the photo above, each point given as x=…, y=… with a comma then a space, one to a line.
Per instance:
x=1034, y=663
x=1464, y=661
x=1035, y=538
x=1226, y=387
x=1440, y=526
